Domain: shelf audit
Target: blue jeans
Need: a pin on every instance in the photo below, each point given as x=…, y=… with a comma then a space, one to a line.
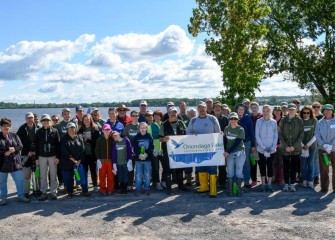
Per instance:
x=316, y=171
x=307, y=166
x=246, y=167
x=122, y=173
x=68, y=178
x=143, y=171
x=18, y=180
x=235, y=162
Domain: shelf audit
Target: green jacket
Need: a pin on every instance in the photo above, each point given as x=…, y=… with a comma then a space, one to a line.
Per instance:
x=291, y=133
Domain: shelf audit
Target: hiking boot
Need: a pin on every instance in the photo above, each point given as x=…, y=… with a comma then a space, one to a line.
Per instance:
x=43, y=197
x=3, y=201
x=292, y=188
x=86, y=194
x=95, y=189
x=253, y=184
x=53, y=196
x=159, y=186
x=163, y=184
x=285, y=188
x=27, y=195
x=147, y=192
x=23, y=199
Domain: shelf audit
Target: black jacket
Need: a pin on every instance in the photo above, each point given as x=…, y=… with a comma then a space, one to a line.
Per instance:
x=71, y=147
x=25, y=140
x=47, y=142
x=95, y=135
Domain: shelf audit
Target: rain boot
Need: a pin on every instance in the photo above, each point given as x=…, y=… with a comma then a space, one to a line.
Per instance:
x=212, y=185
x=180, y=180
x=230, y=186
x=203, y=179
x=239, y=189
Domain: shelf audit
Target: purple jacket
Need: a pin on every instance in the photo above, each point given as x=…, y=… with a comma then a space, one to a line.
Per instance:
x=129, y=151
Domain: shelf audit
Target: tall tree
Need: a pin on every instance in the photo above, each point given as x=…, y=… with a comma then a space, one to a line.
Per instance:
x=235, y=31
x=301, y=43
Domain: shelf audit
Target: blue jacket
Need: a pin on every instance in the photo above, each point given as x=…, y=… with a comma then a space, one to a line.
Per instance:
x=117, y=126
x=249, y=130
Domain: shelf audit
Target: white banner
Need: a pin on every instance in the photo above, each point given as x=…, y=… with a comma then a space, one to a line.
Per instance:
x=196, y=150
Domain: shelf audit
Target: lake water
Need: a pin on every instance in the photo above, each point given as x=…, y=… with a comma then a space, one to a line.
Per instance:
x=18, y=115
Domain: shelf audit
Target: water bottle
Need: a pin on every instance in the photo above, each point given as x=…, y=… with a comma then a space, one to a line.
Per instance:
x=235, y=190
x=326, y=159
x=142, y=150
x=76, y=174
x=252, y=160
x=37, y=172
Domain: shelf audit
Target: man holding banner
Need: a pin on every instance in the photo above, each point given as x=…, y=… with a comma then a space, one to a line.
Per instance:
x=170, y=127
x=205, y=124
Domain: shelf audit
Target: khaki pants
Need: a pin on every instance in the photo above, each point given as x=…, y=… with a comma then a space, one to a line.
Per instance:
x=48, y=163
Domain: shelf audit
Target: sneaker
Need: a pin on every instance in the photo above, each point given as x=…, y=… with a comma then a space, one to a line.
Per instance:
x=27, y=195
x=109, y=193
x=43, y=197
x=163, y=184
x=137, y=193
x=53, y=196
x=86, y=194
x=3, y=201
x=23, y=199
x=69, y=195
x=292, y=188
x=270, y=188
x=159, y=186
x=130, y=188
x=103, y=193
x=285, y=188
x=95, y=189
x=304, y=183
x=253, y=184
x=310, y=184
x=147, y=192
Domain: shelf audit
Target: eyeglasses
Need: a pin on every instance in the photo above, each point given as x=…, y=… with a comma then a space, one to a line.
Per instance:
x=315, y=106
x=134, y=115
x=55, y=120
x=306, y=113
x=233, y=119
x=122, y=110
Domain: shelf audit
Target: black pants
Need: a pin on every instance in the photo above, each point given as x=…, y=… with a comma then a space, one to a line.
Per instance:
x=155, y=168
x=167, y=172
x=290, y=168
x=222, y=175
x=266, y=165
x=253, y=173
x=91, y=163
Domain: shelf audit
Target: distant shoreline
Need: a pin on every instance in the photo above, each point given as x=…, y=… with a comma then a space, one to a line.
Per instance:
x=160, y=102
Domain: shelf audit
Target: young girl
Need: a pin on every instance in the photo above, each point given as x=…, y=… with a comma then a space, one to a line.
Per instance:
x=122, y=154
x=104, y=160
x=143, y=148
x=234, y=152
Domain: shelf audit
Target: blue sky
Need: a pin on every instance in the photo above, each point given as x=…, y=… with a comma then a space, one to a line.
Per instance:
x=88, y=51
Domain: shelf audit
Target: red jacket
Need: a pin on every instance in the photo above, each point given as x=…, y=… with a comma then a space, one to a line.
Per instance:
x=125, y=120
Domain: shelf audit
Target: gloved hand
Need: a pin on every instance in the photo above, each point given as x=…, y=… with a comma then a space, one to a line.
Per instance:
x=328, y=148
x=130, y=165
x=114, y=169
x=99, y=164
x=155, y=153
x=266, y=154
x=305, y=153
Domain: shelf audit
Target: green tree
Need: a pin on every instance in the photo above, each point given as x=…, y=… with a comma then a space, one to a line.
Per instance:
x=301, y=43
x=235, y=31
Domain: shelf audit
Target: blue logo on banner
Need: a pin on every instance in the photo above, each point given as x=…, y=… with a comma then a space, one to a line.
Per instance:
x=175, y=144
x=192, y=157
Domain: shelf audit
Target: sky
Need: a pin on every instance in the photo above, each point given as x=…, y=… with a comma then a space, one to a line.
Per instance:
x=107, y=51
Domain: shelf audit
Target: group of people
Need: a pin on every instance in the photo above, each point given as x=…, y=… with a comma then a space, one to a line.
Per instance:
x=290, y=143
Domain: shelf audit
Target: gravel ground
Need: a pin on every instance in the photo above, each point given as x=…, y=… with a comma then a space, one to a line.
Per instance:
x=305, y=214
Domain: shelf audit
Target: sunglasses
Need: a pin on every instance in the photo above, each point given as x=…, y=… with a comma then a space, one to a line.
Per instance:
x=233, y=119
x=134, y=115
x=315, y=106
x=306, y=113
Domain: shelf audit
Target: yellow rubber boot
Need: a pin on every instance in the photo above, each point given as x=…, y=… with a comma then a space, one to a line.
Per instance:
x=203, y=179
x=212, y=185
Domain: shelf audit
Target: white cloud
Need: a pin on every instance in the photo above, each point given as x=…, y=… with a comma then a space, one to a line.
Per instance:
x=51, y=87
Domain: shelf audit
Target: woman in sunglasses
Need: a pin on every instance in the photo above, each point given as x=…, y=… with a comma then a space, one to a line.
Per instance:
x=307, y=157
x=316, y=106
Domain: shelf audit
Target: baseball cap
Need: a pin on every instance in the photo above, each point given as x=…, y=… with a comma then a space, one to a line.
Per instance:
x=296, y=101
x=328, y=107
x=149, y=112
x=66, y=110
x=170, y=104
x=246, y=100
x=78, y=108
x=70, y=125
x=45, y=117
x=209, y=100
x=284, y=104
x=225, y=106
x=292, y=106
x=29, y=114
x=143, y=102
x=106, y=126
x=94, y=109
x=201, y=103
x=233, y=115
x=173, y=109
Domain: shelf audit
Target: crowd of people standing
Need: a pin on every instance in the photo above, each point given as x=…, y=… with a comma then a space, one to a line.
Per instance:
x=287, y=143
